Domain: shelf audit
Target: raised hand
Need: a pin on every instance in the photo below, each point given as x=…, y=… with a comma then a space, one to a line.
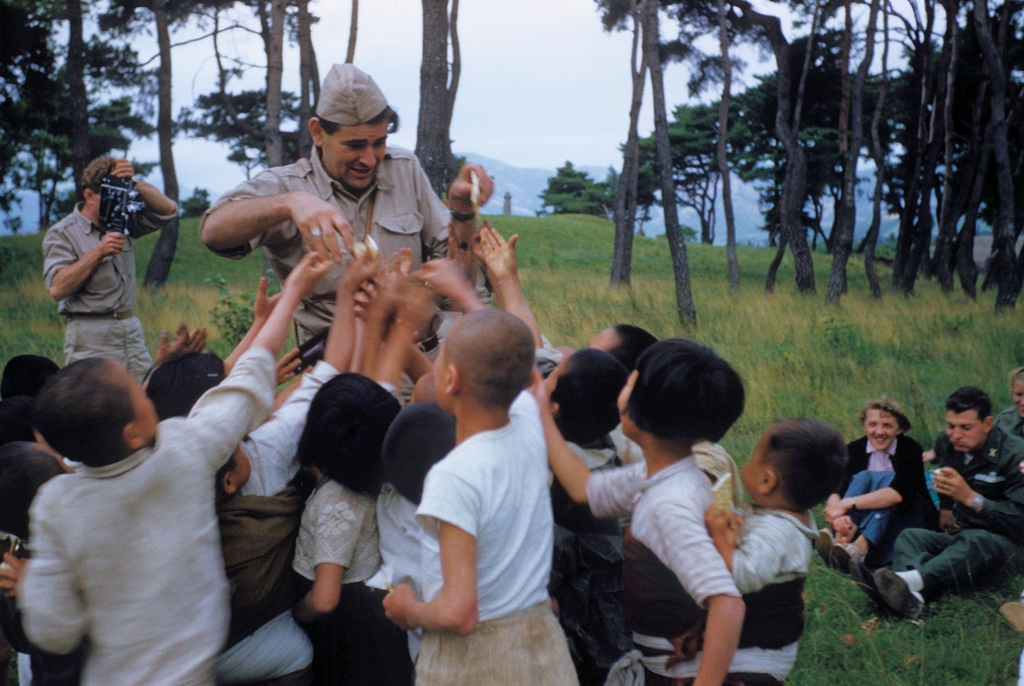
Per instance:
x=264, y=306
x=360, y=270
x=321, y=225
x=305, y=274
x=497, y=254
x=183, y=342
x=112, y=243
x=459, y=192
x=287, y=366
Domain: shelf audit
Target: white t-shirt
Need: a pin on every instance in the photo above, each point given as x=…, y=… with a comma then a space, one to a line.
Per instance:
x=494, y=486
x=272, y=448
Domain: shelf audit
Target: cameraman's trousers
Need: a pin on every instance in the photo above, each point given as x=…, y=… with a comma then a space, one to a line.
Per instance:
x=120, y=340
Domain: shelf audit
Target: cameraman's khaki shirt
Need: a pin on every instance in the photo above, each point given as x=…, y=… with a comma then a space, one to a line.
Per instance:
x=406, y=213
x=111, y=286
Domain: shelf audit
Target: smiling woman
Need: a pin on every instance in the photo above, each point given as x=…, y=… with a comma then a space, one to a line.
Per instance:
x=884, y=492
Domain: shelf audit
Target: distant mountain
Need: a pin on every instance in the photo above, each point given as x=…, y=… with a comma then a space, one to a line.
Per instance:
x=526, y=184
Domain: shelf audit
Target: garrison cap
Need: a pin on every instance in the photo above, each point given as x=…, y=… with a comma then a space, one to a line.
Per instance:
x=349, y=97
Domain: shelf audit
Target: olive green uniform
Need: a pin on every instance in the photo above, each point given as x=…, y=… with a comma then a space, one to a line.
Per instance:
x=101, y=314
x=1010, y=422
x=398, y=209
x=989, y=541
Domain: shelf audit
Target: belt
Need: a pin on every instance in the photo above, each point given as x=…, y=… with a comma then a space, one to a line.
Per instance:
x=123, y=313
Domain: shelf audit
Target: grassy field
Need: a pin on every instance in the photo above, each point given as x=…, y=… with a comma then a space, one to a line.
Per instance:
x=796, y=357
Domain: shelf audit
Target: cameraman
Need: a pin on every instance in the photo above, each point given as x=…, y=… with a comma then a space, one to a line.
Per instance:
x=91, y=271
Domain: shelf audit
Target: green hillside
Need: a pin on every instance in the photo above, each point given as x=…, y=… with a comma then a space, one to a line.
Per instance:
x=796, y=357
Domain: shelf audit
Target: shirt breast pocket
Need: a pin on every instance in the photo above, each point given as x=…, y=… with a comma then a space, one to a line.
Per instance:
x=403, y=224
x=394, y=232
x=989, y=484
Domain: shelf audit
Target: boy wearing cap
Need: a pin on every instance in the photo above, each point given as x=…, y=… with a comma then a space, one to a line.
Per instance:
x=351, y=186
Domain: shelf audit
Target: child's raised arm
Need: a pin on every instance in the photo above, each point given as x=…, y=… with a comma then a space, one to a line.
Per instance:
x=299, y=283
x=568, y=469
x=499, y=256
x=341, y=340
x=261, y=312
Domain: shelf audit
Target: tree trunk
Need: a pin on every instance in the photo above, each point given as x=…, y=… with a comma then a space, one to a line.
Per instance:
x=1003, y=238
x=433, y=146
x=787, y=128
x=159, y=267
x=723, y=142
x=452, y=91
x=842, y=240
x=275, y=71
x=917, y=151
x=680, y=264
x=79, y=99
x=846, y=87
x=306, y=58
x=353, y=29
x=625, y=195
x=947, y=217
x=878, y=154
x=773, y=268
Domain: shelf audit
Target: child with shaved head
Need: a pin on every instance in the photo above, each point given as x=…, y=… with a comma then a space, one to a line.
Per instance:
x=488, y=504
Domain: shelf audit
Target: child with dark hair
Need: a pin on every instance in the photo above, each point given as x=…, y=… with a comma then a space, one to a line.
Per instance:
x=420, y=437
x=585, y=390
x=795, y=466
x=337, y=546
x=24, y=468
x=586, y=575
x=680, y=393
x=16, y=419
x=25, y=375
x=488, y=504
x=125, y=552
x=259, y=509
x=625, y=342
x=176, y=385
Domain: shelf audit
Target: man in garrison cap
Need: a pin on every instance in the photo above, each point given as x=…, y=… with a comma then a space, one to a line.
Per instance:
x=352, y=185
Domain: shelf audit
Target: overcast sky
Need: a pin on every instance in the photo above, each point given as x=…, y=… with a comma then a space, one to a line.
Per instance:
x=542, y=82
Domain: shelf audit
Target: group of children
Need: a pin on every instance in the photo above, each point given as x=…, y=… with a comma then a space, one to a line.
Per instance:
x=500, y=528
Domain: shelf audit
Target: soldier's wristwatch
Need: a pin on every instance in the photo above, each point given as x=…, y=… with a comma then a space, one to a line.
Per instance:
x=978, y=502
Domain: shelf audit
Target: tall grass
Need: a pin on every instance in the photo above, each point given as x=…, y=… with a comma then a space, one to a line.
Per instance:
x=797, y=358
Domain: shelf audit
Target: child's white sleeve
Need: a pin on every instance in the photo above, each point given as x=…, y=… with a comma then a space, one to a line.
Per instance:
x=50, y=598
x=449, y=498
x=770, y=551
x=609, y=491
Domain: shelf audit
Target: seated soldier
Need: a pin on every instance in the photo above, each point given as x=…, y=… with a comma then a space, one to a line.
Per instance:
x=981, y=500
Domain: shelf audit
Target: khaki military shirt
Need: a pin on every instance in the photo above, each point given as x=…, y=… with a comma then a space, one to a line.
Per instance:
x=111, y=286
x=406, y=213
